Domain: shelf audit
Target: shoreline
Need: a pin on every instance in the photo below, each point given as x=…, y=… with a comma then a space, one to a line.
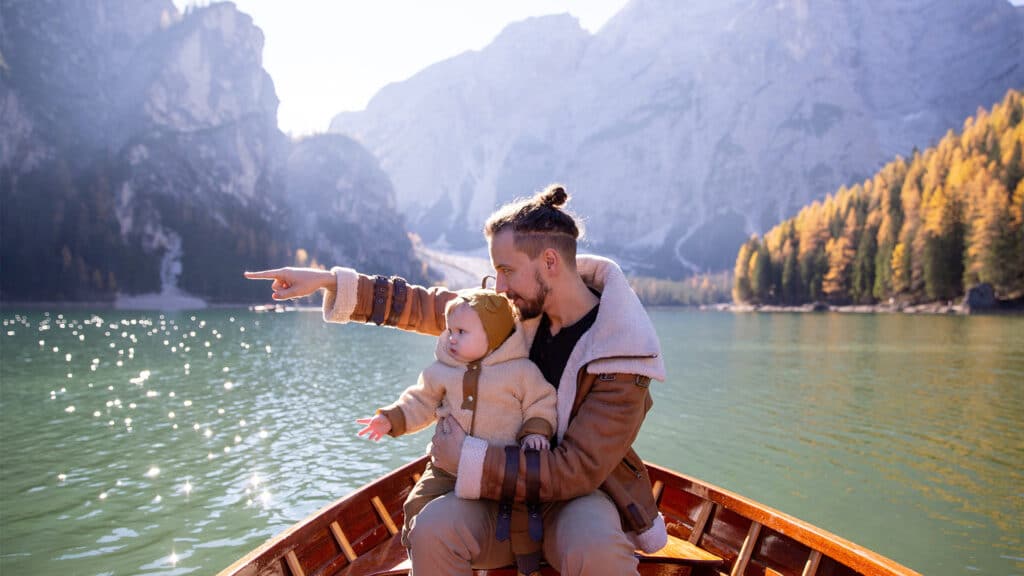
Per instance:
x=109, y=305
x=932, y=308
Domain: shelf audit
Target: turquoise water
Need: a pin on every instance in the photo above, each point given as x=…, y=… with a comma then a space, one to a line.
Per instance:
x=141, y=443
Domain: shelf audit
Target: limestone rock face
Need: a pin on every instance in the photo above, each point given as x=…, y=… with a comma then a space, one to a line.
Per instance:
x=682, y=127
x=328, y=177
x=139, y=151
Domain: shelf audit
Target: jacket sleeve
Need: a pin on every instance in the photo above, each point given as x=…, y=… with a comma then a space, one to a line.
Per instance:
x=539, y=404
x=416, y=408
x=598, y=437
x=352, y=299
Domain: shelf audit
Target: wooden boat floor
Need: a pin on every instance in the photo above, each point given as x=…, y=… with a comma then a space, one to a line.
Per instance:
x=393, y=556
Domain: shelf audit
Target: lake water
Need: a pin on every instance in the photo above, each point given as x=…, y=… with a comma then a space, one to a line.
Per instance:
x=148, y=443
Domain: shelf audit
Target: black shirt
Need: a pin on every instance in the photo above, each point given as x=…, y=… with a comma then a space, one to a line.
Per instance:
x=551, y=353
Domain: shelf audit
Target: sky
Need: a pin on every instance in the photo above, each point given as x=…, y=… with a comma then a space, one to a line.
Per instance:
x=331, y=56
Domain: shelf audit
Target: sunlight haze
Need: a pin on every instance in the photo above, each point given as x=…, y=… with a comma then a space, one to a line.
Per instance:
x=330, y=57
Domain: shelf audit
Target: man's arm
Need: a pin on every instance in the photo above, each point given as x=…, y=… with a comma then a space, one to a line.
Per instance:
x=351, y=296
x=598, y=437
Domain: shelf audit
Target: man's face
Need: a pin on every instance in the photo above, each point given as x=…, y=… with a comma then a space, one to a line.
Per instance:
x=517, y=276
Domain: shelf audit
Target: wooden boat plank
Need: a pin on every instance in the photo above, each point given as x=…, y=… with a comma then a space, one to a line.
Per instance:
x=679, y=551
x=293, y=564
x=343, y=541
x=747, y=550
x=701, y=523
x=811, y=568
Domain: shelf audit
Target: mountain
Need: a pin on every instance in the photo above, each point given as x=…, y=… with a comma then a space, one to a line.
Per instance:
x=139, y=152
x=710, y=119
x=329, y=176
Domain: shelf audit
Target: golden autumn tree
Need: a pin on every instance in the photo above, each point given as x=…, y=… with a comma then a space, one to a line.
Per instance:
x=741, y=272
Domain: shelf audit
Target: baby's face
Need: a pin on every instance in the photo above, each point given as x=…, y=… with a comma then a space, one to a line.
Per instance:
x=465, y=337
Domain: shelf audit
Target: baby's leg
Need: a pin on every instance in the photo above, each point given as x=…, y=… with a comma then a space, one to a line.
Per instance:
x=433, y=483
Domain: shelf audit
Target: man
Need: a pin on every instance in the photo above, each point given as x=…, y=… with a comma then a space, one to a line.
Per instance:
x=592, y=340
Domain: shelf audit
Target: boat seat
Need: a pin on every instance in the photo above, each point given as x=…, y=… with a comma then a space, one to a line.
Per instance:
x=677, y=551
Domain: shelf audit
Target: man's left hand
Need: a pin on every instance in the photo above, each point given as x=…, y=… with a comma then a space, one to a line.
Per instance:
x=446, y=447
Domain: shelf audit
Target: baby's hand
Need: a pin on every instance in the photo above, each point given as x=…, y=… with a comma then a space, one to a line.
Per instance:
x=536, y=442
x=376, y=427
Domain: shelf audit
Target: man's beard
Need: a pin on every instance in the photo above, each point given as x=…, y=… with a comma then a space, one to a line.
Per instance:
x=532, y=307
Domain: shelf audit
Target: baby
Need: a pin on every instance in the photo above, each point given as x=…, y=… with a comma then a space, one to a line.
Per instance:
x=482, y=377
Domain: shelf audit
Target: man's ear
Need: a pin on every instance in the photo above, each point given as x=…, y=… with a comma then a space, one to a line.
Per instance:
x=551, y=260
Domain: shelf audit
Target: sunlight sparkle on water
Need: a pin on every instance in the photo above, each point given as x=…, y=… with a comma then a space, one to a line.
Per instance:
x=153, y=472
x=142, y=377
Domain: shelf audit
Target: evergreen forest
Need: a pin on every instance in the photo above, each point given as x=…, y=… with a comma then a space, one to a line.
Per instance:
x=922, y=229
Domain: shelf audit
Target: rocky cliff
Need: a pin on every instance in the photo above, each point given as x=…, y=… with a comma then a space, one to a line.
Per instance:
x=140, y=153
x=682, y=127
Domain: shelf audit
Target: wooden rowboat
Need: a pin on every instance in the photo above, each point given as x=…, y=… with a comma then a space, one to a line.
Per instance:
x=711, y=532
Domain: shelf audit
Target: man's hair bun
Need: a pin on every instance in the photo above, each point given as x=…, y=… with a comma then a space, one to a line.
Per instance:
x=554, y=196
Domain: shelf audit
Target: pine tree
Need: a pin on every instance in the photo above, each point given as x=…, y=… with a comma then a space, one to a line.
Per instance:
x=760, y=275
x=863, y=280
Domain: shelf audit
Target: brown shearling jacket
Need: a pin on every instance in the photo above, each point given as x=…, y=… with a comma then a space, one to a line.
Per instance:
x=603, y=396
